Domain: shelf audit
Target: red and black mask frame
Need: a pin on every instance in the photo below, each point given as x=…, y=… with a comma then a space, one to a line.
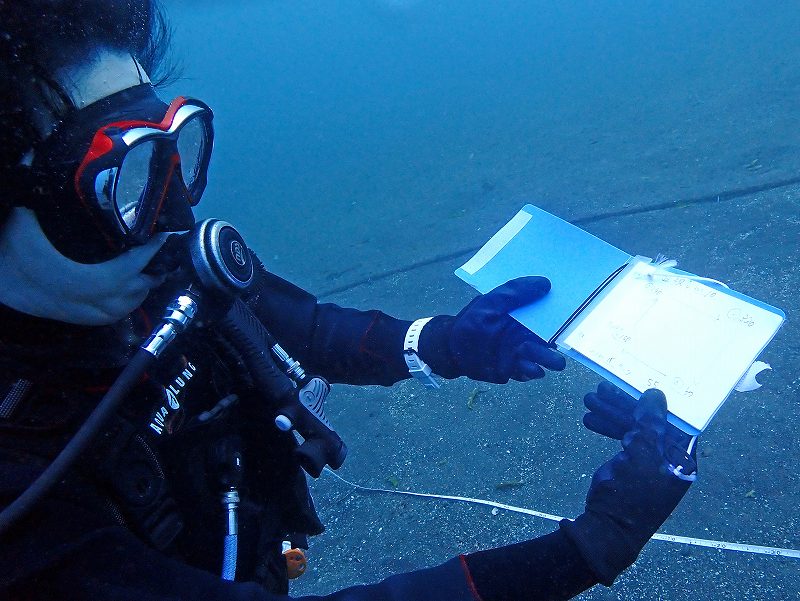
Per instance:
x=119, y=170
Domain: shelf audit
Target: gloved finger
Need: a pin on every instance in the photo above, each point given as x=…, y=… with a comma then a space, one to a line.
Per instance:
x=617, y=408
x=527, y=370
x=537, y=352
x=614, y=395
x=621, y=407
x=514, y=294
x=671, y=443
x=673, y=434
x=605, y=426
x=680, y=456
x=645, y=441
x=651, y=409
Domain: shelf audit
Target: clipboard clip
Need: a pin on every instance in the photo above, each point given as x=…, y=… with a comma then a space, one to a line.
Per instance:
x=661, y=261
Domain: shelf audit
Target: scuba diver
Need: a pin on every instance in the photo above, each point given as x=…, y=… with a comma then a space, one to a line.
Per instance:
x=194, y=482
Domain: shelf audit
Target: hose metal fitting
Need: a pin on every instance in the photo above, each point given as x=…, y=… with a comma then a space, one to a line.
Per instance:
x=230, y=500
x=292, y=367
x=177, y=317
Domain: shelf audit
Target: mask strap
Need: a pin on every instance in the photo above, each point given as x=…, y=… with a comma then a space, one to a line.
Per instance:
x=22, y=188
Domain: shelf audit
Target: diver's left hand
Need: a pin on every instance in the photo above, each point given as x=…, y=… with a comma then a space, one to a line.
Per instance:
x=634, y=492
x=611, y=413
x=483, y=342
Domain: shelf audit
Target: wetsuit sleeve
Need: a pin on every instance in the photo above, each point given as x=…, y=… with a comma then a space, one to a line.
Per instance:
x=340, y=344
x=548, y=568
x=69, y=550
x=57, y=556
x=110, y=564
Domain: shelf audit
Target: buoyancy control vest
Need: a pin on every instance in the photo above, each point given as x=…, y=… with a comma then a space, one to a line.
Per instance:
x=161, y=466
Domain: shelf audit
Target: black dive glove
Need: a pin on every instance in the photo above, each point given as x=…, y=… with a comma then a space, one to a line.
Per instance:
x=483, y=342
x=611, y=413
x=634, y=493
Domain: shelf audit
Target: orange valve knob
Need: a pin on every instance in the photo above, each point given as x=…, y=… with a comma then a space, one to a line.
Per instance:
x=296, y=563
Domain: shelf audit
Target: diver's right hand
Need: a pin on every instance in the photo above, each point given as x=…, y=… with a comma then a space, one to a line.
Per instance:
x=632, y=494
x=484, y=343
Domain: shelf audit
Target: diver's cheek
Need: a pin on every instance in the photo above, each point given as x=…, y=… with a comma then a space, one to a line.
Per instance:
x=115, y=308
x=97, y=305
x=38, y=280
x=111, y=311
x=114, y=290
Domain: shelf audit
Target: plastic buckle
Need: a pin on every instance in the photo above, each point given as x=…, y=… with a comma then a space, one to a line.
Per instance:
x=419, y=369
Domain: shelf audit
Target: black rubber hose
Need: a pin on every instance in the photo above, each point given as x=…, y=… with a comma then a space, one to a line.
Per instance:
x=252, y=340
x=127, y=379
x=321, y=444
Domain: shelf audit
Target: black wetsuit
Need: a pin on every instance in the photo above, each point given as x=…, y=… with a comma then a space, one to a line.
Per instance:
x=140, y=516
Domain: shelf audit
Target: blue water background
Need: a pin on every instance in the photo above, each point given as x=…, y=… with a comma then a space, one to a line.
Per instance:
x=366, y=147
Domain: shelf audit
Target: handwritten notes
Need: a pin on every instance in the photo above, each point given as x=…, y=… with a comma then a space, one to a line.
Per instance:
x=648, y=327
x=657, y=329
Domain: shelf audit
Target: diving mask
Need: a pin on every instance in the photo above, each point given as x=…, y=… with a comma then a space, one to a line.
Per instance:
x=120, y=170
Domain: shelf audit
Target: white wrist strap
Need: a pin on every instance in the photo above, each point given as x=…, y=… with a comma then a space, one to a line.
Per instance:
x=416, y=366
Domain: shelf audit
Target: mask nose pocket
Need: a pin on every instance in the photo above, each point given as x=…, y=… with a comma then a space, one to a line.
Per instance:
x=170, y=203
x=176, y=211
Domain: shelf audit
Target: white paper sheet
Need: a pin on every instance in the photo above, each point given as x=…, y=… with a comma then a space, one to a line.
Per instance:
x=657, y=329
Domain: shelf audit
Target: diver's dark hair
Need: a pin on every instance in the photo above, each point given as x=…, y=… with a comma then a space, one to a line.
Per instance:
x=39, y=36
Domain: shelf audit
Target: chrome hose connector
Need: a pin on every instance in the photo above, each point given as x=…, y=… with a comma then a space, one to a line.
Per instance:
x=177, y=317
x=230, y=500
x=293, y=368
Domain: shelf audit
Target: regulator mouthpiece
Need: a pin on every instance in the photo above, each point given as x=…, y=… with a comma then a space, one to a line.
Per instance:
x=220, y=257
x=213, y=255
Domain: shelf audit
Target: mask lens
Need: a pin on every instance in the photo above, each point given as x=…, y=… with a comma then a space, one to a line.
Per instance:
x=133, y=180
x=191, y=148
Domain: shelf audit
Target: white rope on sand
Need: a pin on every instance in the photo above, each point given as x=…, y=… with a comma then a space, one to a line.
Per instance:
x=681, y=540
